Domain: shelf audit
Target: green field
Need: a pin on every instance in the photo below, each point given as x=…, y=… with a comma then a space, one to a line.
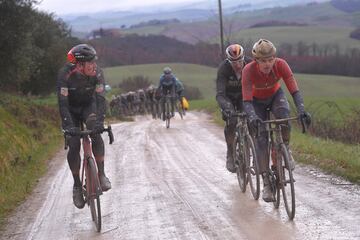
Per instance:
x=193, y=75
x=203, y=77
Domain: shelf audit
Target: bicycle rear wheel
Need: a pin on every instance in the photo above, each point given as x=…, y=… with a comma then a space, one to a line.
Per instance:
x=180, y=110
x=286, y=182
x=239, y=159
x=252, y=167
x=94, y=190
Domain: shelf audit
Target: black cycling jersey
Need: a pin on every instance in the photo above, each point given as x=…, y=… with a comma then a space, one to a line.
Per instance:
x=228, y=85
x=77, y=91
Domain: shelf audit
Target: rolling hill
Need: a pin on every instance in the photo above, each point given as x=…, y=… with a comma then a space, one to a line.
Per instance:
x=313, y=86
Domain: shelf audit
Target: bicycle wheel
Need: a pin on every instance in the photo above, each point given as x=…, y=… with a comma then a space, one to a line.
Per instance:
x=179, y=109
x=252, y=167
x=238, y=156
x=275, y=188
x=93, y=193
x=286, y=182
x=167, y=114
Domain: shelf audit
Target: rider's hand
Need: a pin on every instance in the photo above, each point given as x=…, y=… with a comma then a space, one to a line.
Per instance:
x=227, y=113
x=73, y=131
x=306, y=117
x=254, y=124
x=98, y=128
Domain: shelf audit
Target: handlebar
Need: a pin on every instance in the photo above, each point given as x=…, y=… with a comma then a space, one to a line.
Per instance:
x=85, y=133
x=284, y=120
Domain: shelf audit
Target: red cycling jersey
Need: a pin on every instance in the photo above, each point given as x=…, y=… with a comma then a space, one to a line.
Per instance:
x=262, y=86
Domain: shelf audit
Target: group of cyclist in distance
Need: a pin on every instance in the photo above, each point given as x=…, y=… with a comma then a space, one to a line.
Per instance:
x=149, y=99
x=243, y=84
x=253, y=86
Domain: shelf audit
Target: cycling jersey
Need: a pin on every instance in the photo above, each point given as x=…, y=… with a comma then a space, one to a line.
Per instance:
x=77, y=91
x=228, y=86
x=262, y=86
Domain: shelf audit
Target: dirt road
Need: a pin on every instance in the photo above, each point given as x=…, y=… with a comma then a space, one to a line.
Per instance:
x=172, y=184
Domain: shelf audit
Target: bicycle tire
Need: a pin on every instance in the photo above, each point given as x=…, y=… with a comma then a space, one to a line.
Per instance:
x=275, y=187
x=93, y=196
x=286, y=182
x=252, y=167
x=167, y=114
x=240, y=165
x=179, y=109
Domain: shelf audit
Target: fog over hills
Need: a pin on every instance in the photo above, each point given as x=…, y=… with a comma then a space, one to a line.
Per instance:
x=199, y=10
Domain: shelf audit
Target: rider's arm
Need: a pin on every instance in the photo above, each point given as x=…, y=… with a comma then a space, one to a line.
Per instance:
x=63, y=101
x=247, y=93
x=223, y=101
x=291, y=85
x=100, y=97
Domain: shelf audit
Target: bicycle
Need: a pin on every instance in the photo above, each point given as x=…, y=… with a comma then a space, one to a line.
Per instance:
x=180, y=108
x=244, y=155
x=281, y=177
x=167, y=110
x=90, y=183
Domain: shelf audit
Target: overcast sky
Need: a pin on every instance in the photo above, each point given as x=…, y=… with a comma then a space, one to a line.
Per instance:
x=77, y=6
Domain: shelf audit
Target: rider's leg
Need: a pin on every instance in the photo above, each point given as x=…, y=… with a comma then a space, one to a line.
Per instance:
x=74, y=160
x=173, y=99
x=229, y=132
x=281, y=109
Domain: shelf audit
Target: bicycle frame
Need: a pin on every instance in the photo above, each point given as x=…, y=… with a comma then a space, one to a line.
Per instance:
x=95, y=189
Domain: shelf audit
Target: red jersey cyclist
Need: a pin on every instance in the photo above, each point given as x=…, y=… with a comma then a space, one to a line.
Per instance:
x=261, y=91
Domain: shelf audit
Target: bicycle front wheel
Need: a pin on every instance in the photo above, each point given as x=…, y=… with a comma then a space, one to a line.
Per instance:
x=238, y=156
x=286, y=182
x=252, y=167
x=93, y=193
x=167, y=113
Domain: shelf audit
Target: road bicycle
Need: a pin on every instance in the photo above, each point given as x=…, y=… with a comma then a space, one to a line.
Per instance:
x=244, y=155
x=281, y=176
x=167, y=111
x=90, y=183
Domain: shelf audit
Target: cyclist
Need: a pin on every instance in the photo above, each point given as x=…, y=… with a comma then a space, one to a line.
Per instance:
x=229, y=94
x=81, y=97
x=167, y=85
x=262, y=91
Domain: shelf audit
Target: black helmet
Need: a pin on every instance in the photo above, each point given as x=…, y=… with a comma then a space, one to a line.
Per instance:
x=81, y=53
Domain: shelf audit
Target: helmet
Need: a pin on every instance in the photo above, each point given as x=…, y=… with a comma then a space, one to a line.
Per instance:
x=81, y=53
x=234, y=52
x=167, y=70
x=263, y=49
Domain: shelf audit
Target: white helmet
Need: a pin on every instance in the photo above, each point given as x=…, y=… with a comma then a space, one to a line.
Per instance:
x=234, y=52
x=263, y=49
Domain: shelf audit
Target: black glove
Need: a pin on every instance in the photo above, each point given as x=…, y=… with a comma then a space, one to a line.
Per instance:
x=98, y=128
x=227, y=113
x=72, y=131
x=306, y=117
x=254, y=124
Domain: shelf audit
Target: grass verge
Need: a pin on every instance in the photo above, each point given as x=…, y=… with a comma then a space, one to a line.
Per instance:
x=29, y=136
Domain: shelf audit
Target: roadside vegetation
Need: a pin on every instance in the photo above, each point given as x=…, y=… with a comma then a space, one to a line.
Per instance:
x=29, y=136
